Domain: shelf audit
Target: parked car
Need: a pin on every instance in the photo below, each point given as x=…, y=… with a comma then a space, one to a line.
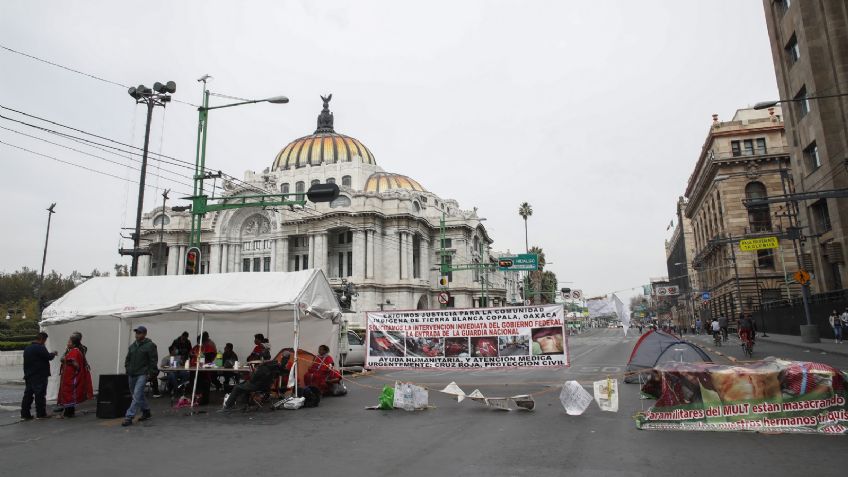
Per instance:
x=352, y=350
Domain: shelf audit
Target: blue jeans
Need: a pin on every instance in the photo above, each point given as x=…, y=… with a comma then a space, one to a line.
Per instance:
x=837, y=332
x=138, y=401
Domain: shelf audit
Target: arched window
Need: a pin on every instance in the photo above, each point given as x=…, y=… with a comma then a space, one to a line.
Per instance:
x=314, y=182
x=284, y=188
x=346, y=181
x=160, y=219
x=759, y=217
x=299, y=187
x=331, y=180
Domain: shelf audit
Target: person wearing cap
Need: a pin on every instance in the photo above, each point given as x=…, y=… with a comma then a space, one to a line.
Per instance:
x=261, y=349
x=141, y=361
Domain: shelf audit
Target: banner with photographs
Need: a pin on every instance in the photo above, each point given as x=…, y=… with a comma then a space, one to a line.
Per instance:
x=522, y=336
x=773, y=396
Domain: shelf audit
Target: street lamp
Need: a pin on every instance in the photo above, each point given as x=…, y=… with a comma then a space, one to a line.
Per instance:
x=198, y=197
x=771, y=104
x=159, y=95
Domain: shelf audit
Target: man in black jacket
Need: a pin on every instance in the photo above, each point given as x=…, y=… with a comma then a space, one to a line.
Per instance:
x=262, y=380
x=36, y=372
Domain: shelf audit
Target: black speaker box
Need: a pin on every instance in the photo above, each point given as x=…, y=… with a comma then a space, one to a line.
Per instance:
x=113, y=397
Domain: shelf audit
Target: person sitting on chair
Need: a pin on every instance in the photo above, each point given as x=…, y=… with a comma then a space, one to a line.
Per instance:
x=261, y=381
x=322, y=374
x=261, y=349
x=229, y=358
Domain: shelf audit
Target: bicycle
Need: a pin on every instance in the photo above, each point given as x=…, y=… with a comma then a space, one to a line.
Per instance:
x=748, y=347
x=717, y=338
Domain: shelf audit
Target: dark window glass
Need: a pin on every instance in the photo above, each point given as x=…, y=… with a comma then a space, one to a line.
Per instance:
x=736, y=148
x=266, y=264
x=821, y=216
x=761, y=145
x=811, y=157
x=245, y=265
x=349, y=264
x=802, y=102
x=297, y=263
x=346, y=181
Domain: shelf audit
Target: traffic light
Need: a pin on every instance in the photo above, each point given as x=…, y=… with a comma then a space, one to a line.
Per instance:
x=565, y=291
x=504, y=263
x=192, y=263
x=323, y=192
x=443, y=281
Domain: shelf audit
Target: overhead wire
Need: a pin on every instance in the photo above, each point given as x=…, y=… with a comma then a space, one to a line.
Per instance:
x=83, y=73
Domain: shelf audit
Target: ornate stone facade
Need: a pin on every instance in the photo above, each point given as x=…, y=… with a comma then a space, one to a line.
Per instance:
x=382, y=234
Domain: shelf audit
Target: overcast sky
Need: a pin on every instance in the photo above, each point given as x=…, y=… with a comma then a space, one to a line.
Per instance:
x=594, y=112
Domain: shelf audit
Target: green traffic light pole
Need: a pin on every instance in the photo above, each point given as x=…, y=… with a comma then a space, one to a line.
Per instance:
x=199, y=201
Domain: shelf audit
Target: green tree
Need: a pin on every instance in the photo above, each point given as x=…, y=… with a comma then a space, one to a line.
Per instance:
x=525, y=210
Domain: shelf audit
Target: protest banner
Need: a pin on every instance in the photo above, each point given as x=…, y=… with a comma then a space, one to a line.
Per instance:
x=772, y=395
x=509, y=337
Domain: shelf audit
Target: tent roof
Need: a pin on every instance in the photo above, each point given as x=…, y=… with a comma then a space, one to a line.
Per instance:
x=132, y=297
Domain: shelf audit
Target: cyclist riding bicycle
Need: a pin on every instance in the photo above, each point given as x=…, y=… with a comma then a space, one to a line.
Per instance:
x=716, y=328
x=722, y=323
x=746, y=329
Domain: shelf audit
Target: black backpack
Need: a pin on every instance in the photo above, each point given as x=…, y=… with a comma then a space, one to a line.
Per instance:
x=311, y=396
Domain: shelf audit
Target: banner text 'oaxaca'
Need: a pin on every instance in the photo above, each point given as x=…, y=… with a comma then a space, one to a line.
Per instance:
x=522, y=336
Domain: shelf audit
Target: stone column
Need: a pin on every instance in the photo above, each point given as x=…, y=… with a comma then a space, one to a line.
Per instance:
x=379, y=255
x=236, y=252
x=225, y=258
x=181, y=263
x=173, y=258
x=401, y=255
x=144, y=265
x=311, y=253
x=424, y=259
x=369, y=272
x=358, y=255
x=322, y=250
x=409, y=258
x=215, y=259
x=282, y=255
x=273, y=267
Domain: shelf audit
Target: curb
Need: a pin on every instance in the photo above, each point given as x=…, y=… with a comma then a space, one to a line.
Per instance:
x=17, y=382
x=803, y=346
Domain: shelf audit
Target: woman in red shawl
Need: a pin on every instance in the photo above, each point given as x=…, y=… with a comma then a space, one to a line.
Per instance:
x=75, y=385
x=322, y=374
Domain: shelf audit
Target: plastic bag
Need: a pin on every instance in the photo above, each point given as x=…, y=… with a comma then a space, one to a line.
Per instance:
x=387, y=398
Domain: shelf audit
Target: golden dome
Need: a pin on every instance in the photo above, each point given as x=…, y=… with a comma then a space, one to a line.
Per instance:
x=384, y=181
x=324, y=146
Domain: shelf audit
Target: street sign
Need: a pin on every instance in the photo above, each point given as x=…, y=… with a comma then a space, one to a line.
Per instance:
x=444, y=298
x=576, y=294
x=761, y=243
x=705, y=296
x=802, y=277
x=522, y=262
x=667, y=290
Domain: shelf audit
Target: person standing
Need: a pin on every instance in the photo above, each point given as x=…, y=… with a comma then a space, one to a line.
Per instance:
x=36, y=372
x=698, y=326
x=75, y=386
x=836, y=323
x=844, y=318
x=141, y=361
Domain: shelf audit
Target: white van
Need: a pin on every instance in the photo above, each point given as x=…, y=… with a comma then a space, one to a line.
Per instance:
x=352, y=350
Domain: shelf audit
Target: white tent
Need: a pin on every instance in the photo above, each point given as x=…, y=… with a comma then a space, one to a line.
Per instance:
x=232, y=306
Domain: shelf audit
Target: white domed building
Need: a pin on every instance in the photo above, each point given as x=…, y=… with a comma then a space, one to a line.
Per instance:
x=381, y=235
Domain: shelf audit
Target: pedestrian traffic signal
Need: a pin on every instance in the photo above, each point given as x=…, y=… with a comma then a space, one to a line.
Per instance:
x=192, y=263
x=504, y=263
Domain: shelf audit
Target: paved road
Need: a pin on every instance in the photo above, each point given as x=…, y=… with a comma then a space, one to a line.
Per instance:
x=450, y=439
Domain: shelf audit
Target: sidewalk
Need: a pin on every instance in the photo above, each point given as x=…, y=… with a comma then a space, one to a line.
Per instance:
x=827, y=345
x=11, y=375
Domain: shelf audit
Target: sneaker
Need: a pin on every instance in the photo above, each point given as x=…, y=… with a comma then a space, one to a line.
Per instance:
x=157, y=395
x=145, y=415
x=38, y=418
x=127, y=422
x=26, y=418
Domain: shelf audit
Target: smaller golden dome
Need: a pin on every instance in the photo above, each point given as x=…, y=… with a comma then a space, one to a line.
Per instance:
x=385, y=181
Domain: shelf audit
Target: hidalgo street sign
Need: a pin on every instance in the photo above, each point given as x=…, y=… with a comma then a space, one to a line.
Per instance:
x=749, y=245
x=522, y=262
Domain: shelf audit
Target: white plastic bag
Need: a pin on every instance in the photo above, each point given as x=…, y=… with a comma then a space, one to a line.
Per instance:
x=574, y=398
x=606, y=394
x=410, y=397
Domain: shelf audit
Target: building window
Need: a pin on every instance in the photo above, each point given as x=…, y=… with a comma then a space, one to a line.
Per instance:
x=245, y=246
x=266, y=264
x=266, y=244
x=297, y=263
x=821, y=216
x=783, y=5
x=256, y=264
x=765, y=258
x=161, y=219
x=346, y=181
x=803, y=102
x=245, y=265
x=759, y=217
x=305, y=262
x=341, y=265
x=299, y=187
x=416, y=206
x=349, y=264
x=761, y=145
x=416, y=256
x=447, y=243
x=749, y=147
x=811, y=157
x=793, y=52
x=736, y=148
x=331, y=180
x=314, y=182
x=449, y=261
x=257, y=245
x=284, y=188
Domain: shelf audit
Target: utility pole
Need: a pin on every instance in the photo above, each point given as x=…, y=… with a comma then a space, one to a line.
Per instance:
x=162, y=231
x=158, y=96
x=50, y=213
